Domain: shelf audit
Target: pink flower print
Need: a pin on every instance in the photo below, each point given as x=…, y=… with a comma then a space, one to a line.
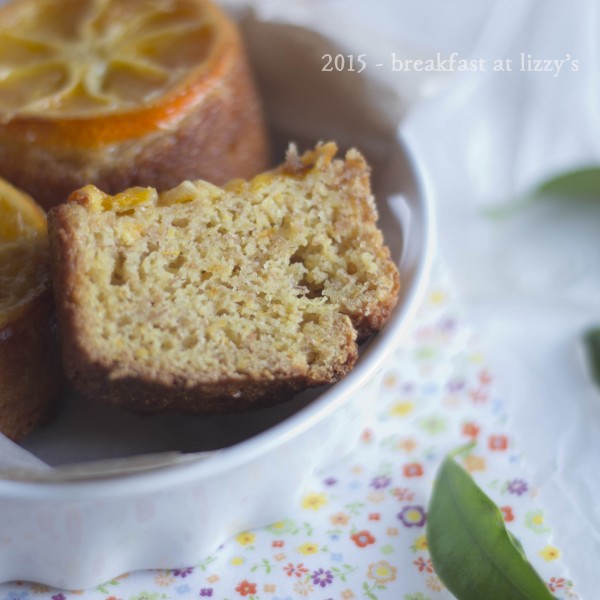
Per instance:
x=478, y=396
x=407, y=444
x=497, y=442
x=484, y=377
x=424, y=565
x=367, y=435
x=556, y=583
x=362, y=538
x=297, y=570
x=470, y=430
x=413, y=470
x=245, y=588
x=507, y=513
x=403, y=494
x=339, y=518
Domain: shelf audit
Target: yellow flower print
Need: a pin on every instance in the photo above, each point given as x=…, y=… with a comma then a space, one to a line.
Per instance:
x=348, y=595
x=308, y=548
x=382, y=572
x=476, y=358
x=534, y=520
x=237, y=561
x=281, y=527
x=549, y=553
x=437, y=297
x=269, y=588
x=245, y=539
x=420, y=544
x=314, y=501
x=401, y=408
x=213, y=578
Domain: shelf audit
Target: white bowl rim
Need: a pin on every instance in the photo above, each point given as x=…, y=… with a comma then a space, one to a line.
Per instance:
x=243, y=452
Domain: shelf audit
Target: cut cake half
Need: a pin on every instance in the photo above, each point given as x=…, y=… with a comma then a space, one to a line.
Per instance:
x=208, y=299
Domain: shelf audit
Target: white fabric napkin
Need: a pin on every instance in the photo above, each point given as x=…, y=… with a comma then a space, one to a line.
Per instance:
x=532, y=280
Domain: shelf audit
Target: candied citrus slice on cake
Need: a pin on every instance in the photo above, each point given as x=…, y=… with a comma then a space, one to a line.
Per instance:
x=30, y=372
x=21, y=216
x=118, y=92
x=23, y=272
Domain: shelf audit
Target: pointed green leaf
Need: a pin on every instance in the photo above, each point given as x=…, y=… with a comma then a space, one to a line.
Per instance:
x=581, y=183
x=592, y=346
x=471, y=550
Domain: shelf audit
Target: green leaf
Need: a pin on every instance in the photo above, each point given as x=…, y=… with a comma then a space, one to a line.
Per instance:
x=592, y=346
x=471, y=550
x=581, y=183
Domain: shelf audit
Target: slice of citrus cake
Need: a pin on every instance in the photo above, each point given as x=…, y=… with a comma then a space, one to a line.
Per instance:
x=208, y=299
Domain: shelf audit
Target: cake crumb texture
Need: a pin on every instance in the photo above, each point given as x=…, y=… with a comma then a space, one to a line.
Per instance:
x=210, y=299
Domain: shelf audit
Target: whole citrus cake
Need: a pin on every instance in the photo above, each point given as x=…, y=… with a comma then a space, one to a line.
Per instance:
x=30, y=370
x=215, y=299
x=124, y=92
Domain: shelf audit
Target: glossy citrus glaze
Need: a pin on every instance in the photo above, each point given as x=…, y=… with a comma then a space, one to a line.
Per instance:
x=92, y=72
x=23, y=272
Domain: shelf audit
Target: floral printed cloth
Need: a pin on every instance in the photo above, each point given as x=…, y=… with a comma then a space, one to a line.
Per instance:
x=359, y=530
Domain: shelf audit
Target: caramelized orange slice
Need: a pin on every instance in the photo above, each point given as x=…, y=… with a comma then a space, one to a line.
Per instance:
x=30, y=373
x=23, y=264
x=121, y=93
x=115, y=65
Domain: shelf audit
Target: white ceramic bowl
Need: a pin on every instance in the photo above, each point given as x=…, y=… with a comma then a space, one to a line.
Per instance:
x=77, y=527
